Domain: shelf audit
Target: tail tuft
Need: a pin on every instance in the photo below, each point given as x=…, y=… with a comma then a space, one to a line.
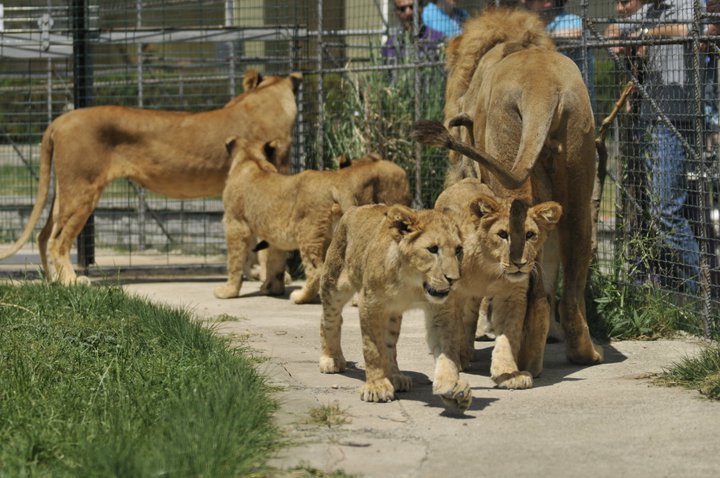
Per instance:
x=431, y=133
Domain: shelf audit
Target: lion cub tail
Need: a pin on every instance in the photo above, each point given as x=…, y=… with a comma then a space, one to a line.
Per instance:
x=46, y=153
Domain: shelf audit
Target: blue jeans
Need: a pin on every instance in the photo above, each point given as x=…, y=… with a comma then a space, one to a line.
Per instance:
x=678, y=257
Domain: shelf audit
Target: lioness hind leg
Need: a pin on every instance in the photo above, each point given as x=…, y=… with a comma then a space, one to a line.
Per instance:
x=239, y=240
x=400, y=381
x=575, y=232
x=69, y=219
x=43, y=238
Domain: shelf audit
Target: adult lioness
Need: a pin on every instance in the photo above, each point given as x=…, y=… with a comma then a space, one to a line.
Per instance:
x=294, y=212
x=178, y=154
x=398, y=259
x=530, y=128
x=502, y=240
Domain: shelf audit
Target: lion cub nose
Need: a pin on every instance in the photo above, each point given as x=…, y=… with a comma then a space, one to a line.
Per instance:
x=450, y=280
x=520, y=264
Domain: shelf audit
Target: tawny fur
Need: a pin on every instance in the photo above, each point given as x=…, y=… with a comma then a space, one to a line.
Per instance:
x=531, y=124
x=295, y=212
x=397, y=259
x=178, y=154
x=501, y=246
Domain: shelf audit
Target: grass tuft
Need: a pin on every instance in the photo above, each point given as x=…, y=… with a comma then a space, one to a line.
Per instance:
x=328, y=415
x=700, y=373
x=98, y=383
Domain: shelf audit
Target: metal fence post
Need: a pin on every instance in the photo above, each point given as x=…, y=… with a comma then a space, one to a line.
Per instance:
x=82, y=97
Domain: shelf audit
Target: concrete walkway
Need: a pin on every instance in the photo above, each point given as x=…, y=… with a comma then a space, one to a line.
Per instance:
x=602, y=421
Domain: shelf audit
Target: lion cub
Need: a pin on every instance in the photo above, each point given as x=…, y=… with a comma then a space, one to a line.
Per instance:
x=502, y=242
x=293, y=212
x=398, y=259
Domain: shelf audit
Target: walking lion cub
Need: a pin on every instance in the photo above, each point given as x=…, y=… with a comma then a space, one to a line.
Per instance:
x=396, y=258
x=294, y=212
x=503, y=239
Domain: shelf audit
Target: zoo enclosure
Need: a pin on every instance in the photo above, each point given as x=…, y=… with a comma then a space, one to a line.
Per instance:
x=56, y=55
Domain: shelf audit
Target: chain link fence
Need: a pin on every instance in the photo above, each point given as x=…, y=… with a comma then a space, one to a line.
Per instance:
x=56, y=55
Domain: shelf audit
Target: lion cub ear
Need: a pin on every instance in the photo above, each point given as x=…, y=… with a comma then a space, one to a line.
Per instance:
x=484, y=205
x=251, y=80
x=546, y=214
x=402, y=220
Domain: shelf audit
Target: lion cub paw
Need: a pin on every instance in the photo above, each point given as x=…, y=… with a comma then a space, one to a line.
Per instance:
x=273, y=288
x=377, y=391
x=401, y=382
x=82, y=280
x=226, y=292
x=330, y=364
x=514, y=380
x=301, y=297
x=457, y=396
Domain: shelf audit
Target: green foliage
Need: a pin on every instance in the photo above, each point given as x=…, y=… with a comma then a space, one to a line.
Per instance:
x=375, y=112
x=701, y=373
x=97, y=383
x=628, y=311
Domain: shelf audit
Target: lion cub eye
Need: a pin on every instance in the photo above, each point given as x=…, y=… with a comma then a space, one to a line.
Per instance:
x=530, y=235
x=503, y=234
x=458, y=251
x=433, y=249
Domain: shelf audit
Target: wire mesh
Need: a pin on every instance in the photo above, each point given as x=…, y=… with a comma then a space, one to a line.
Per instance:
x=191, y=56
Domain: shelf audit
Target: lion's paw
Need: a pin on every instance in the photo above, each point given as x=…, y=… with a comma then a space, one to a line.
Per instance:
x=589, y=354
x=332, y=364
x=401, y=382
x=377, y=391
x=272, y=287
x=226, y=292
x=82, y=280
x=514, y=380
x=301, y=297
x=457, y=396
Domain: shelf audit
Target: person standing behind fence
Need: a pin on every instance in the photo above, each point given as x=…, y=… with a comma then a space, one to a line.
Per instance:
x=428, y=39
x=667, y=148
x=633, y=198
x=444, y=16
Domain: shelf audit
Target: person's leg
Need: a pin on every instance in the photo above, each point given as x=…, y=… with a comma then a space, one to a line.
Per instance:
x=665, y=162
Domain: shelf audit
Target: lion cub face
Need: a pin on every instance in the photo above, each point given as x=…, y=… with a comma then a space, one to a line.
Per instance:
x=513, y=233
x=431, y=244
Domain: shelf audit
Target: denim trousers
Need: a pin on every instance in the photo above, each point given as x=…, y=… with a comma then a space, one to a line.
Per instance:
x=677, y=258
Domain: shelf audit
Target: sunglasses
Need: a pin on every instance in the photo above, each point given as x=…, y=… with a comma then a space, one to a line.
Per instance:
x=403, y=8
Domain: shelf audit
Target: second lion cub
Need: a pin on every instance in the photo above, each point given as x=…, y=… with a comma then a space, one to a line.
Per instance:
x=293, y=212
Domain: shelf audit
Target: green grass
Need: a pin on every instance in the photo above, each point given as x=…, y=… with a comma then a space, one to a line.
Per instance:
x=328, y=415
x=16, y=181
x=94, y=382
x=701, y=373
x=620, y=310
